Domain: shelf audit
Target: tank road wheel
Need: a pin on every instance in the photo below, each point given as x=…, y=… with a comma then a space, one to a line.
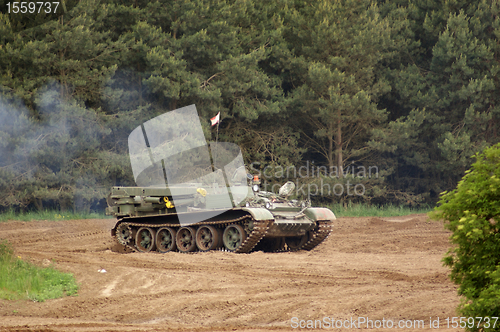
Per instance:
x=186, y=239
x=145, y=239
x=123, y=234
x=295, y=243
x=207, y=238
x=233, y=237
x=165, y=240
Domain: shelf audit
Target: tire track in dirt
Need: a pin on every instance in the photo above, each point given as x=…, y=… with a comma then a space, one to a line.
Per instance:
x=368, y=266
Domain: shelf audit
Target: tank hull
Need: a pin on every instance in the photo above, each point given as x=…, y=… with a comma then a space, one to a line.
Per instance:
x=239, y=230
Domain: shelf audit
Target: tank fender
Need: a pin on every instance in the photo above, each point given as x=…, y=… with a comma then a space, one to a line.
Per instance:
x=259, y=213
x=316, y=214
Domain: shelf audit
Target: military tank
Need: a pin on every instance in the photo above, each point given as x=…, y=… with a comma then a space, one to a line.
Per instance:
x=192, y=196
x=149, y=221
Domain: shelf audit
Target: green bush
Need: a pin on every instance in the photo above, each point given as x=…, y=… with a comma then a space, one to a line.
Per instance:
x=23, y=280
x=472, y=213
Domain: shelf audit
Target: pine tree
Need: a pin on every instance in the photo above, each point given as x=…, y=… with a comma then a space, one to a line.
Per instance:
x=338, y=47
x=446, y=101
x=52, y=152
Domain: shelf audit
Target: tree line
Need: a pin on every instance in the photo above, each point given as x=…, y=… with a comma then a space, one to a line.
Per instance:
x=407, y=87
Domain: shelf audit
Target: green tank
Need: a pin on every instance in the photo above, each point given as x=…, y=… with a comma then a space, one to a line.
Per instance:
x=197, y=196
x=149, y=221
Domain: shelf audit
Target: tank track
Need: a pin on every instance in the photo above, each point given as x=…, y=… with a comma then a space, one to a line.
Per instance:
x=322, y=232
x=258, y=231
x=317, y=236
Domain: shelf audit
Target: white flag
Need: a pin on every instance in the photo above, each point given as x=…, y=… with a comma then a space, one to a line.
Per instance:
x=215, y=120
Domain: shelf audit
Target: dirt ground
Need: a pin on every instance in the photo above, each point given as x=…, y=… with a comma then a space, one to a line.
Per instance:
x=373, y=268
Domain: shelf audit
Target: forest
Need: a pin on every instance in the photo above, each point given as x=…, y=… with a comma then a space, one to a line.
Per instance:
x=393, y=98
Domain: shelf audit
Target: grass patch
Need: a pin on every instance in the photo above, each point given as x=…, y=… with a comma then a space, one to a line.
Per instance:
x=48, y=215
x=20, y=280
x=364, y=210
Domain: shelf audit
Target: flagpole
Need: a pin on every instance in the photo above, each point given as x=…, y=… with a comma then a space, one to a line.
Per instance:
x=216, y=139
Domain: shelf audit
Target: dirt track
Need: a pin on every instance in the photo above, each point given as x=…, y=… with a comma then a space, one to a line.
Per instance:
x=387, y=268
